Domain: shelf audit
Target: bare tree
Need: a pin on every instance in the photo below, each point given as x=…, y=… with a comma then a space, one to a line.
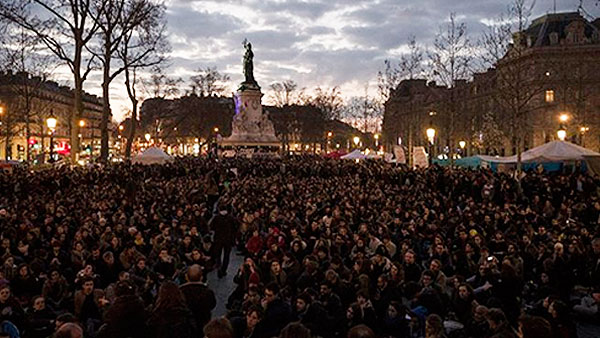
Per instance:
x=116, y=20
x=328, y=101
x=363, y=112
x=286, y=93
x=65, y=29
x=409, y=67
x=208, y=82
x=160, y=85
x=144, y=46
x=517, y=79
x=450, y=59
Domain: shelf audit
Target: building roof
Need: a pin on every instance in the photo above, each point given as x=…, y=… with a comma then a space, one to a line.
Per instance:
x=539, y=33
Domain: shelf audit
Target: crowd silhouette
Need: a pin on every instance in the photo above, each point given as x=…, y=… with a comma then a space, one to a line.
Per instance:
x=331, y=248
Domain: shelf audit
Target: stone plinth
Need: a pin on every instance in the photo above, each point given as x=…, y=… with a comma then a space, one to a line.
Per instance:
x=250, y=125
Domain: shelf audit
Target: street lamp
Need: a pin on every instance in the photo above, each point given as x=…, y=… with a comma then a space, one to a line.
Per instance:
x=431, y=137
x=147, y=136
x=562, y=130
x=51, y=123
x=376, y=140
x=561, y=133
x=216, y=129
x=462, y=145
x=356, y=140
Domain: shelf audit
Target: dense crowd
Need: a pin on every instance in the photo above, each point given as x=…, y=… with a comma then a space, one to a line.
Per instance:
x=331, y=248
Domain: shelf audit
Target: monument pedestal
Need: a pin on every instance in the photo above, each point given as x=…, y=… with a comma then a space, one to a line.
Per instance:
x=251, y=127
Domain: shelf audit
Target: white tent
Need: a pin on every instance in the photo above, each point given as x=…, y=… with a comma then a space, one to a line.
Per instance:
x=555, y=151
x=152, y=155
x=355, y=155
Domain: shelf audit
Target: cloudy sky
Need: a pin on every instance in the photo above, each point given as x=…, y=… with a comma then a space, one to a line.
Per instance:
x=313, y=42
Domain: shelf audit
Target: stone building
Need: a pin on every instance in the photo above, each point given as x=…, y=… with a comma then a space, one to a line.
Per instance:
x=551, y=70
x=27, y=102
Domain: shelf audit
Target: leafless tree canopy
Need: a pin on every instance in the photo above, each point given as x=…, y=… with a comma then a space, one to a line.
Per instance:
x=208, y=82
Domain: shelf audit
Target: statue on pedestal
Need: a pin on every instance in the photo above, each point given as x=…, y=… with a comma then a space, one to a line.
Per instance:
x=249, y=81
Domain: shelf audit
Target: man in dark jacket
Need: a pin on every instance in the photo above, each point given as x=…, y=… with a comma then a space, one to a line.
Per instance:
x=199, y=298
x=277, y=311
x=225, y=228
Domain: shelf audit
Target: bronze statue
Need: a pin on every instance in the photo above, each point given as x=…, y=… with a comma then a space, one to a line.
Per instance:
x=248, y=65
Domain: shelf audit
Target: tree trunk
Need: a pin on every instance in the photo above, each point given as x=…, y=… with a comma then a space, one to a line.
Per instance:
x=75, y=117
x=105, y=111
x=7, y=140
x=133, y=121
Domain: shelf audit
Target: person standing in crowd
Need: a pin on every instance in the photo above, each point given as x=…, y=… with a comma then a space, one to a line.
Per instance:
x=225, y=229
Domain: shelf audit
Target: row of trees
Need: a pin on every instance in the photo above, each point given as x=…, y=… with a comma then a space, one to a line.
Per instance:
x=117, y=37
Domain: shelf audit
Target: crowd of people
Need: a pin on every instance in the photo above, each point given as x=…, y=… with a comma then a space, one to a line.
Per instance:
x=331, y=248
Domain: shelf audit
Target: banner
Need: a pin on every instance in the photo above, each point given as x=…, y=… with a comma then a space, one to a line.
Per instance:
x=420, y=157
x=399, y=153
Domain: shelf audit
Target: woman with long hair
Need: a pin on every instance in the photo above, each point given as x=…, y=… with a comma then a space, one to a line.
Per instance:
x=170, y=316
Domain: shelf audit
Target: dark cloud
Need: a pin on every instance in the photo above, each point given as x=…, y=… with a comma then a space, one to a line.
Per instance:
x=318, y=42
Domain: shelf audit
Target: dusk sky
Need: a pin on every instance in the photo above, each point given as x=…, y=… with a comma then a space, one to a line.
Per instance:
x=313, y=42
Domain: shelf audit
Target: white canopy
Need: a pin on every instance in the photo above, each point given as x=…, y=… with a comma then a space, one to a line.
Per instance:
x=555, y=151
x=354, y=155
x=152, y=155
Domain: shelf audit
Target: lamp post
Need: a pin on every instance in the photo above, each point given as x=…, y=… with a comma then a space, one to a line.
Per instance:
x=462, y=145
x=376, y=136
x=561, y=133
x=147, y=136
x=431, y=137
x=216, y=144
x=583, y=130
x=328, y=145
x=356, y=141
x=6, y=145
x=51, y=123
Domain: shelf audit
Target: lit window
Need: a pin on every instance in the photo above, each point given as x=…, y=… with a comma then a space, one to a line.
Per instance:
x=549, y=95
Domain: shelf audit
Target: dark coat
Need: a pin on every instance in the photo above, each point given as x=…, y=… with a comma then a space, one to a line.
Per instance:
x=225, y=228
x=126, y=317
x=277, y=316
x=201, y=301
x=175, y=322
x=40, y=324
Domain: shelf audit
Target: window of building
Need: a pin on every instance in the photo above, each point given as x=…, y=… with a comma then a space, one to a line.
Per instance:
x=549, y=96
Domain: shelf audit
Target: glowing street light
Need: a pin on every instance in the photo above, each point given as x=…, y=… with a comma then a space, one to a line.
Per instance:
x=147, y=136
x=329, y=134
x=356, y=140
x=561, y=133
x=216, y=129
x=51, y=122
x=462, y=144
x=430, y=134
x=82, y=123
x=563, y=118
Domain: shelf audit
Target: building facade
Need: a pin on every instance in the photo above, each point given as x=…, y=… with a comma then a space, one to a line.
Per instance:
x=27, y=101
x=549, y=72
